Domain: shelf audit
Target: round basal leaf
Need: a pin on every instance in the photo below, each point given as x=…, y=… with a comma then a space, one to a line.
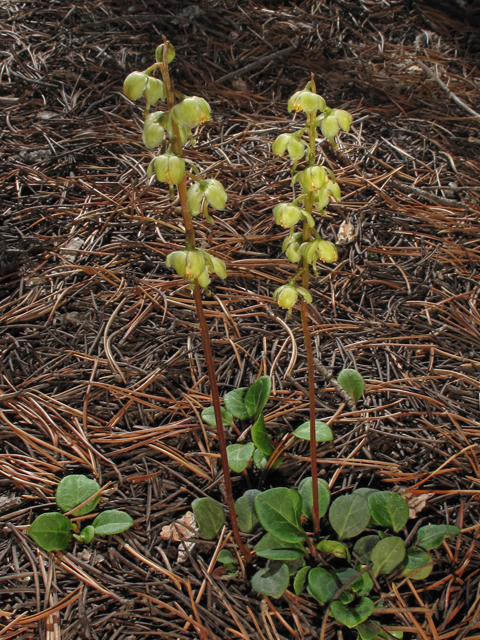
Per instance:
x=269, y=541
x=257, y=395
x=235, y=403
x=51, y=531
x=75, y=489
x=344, y=575
x=280, y=554
x=433, y=535
x=387, y=555
x=226, y=557
x=349, y=515
x=279, y=511
x=239, y=455
x=364, y=547
x=300, y=580
x=209, y=515
x=86, y=535
x=292, y=565
x=352, y=616
x=368, y=630
x=111, y=522
x=305, y=489
x=389, y=509
x=245, y=509
x=323, y=433
x=260, y=436
x=259, y=459
x=337, y=549
x=272, y=583
x=351, y=382
x=208, y=416
x=322, y=585
x=418, y=565
x=365, y=491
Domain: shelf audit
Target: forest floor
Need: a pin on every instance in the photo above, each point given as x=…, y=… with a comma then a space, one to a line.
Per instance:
x=101, y=368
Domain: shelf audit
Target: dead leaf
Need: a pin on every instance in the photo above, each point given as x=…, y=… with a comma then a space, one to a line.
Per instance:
x=416, y=501
x=346, y=233
x=183, y=529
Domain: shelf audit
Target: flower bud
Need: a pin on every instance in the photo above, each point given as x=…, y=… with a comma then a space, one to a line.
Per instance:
x=135, y=84
x=344, y=119
x=153, y=132
x=155, y=90
x=194, y=199
x=312, y=178
x=334, y=189
x=281, y=143
x=286, y=215
x=327, y=251
x=320, y=199
x=170, y=53
x=329, y=127
x=204, y=279
x=219, y=267
x=193, y=111
x=177, y=260
x=169, y=168
x=215, y=194
x=286, y=296
x=296, y=148
x=195, y=263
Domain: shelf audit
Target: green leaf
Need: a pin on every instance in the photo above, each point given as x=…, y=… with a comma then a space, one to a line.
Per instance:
x=323, y=433
x=75, y=489
x=368, y=630
x=51, y=531
x=349, y=515
x=245, y=509
x=359, y=585
x=337, y=549
x=259, y=459
x=352, y=616
x=279, y=511
x=257, y=396
x=365, y=491
x=433, y=535
x=209, y=515
x=269, y=541
x=226, y=557
x=305, y=489
x=260, y=436
x=351, y=382
x=300, y=580
x=387, y=555
x=281, y=554
x=85, y=536
x=272, y=583
x=235, y=403
x=239, y=455
x=364, y=547
x=208, y=416
x=389, y=509
x=418, y=565
x=292, y=565
x=111, y=522
x=322, y=585
x=388, y=634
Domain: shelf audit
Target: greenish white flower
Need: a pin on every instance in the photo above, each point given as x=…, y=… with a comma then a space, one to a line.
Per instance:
x=287, y=295
x=334, y=189
x=320, y=199
x=286, y=215
x=155, y=90
x=170, y=53
x=291, y=246
x=306, y=101
x=290, y=143
x=319, y=250
x=153, y=132
x=312, y=178
x=177, y=260
x=134, y=85
x=169, y=168
x=193, y=111
x=212, y=190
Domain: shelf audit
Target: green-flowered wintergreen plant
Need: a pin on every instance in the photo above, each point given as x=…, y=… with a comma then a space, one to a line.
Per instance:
x=305, y=248
x=78, y=496
x=169, y=130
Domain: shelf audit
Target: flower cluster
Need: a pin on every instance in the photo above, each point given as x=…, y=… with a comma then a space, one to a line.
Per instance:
x=196, y=264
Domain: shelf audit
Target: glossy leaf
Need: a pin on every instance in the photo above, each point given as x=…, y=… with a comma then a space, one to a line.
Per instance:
x=86, y=535
x=387, y=555
x=349, y=515
x=235, y=403
x=209, y=515
x=260, y=436
x=323, y=433
x=51, y=531
x=271, y=582
x=322, y=584
x=364, y=547
x=259, y=459
x=111, y=522
x=300, y=580
x=337, y=549
x=257, y=396
x=305, y=489
x=352, y=616
x=279, y=511
x=418, y=565
x=269, y=541
x=389, y=509
x=433, y=535
x=75, y=489
x=281, y=554
x=245, y=509
x=352, y=382
x=208, y=416
x=239, y=455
